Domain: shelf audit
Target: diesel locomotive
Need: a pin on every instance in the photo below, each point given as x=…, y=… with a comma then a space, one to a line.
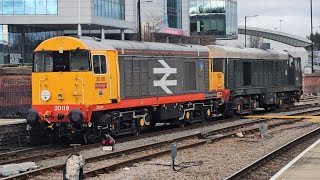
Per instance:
x=87, y=87
x=258, y=78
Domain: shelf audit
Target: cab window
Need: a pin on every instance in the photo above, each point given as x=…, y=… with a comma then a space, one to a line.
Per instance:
x=79, y=61
x=66, y=61
x=43, y=62
x=99, y=64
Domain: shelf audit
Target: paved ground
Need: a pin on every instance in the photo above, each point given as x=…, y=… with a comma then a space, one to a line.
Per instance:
x=303, y=167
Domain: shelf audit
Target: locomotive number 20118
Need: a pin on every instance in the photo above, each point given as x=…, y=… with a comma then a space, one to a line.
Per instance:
x=61, y=108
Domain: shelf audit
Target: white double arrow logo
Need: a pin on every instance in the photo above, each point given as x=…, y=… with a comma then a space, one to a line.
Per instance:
x=163, y=82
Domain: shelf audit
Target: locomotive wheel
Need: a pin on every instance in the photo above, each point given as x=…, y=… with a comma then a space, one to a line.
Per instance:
x=152, y=124
x=91, y=138
x=182, y=124
x=207, y=114
x=136, y=132
x=188, y=117
x=233, y=113
x=38, y=136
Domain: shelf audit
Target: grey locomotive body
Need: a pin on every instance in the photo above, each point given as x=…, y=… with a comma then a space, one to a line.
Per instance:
x=258, y=78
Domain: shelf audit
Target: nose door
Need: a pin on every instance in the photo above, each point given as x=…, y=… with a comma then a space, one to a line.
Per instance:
x=101, y=72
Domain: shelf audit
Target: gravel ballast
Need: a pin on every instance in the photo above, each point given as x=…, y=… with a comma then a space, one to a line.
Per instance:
x=216, y=160
x=213, y=153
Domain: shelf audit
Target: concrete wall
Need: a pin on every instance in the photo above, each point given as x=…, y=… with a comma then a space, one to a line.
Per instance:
x=155, y=9
x=68, y=13
x=185, y=17
x=131, y=12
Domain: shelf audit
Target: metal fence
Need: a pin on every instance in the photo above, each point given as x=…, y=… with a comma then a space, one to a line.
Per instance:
x=15, y=95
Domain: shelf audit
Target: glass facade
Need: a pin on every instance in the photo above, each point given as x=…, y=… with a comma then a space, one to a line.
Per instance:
x=231, y=18
x=173, y=14
x=22, y=41
x=110, y=8
x=28, y=7
x=214, y=17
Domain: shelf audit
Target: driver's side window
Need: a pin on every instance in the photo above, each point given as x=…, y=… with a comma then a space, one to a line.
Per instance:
x=99, y=64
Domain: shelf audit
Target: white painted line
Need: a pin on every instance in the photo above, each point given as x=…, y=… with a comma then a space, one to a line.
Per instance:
x=12, y=121
x=293, y=161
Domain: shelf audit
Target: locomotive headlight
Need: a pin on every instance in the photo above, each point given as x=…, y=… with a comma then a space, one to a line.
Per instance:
x=32, y=116
x=76, y=116
x=45, y=95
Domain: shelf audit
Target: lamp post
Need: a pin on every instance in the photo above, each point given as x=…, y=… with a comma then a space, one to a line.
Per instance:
x=79, y=15
x=311, y=37
x=245, y=29
x=280, y=25
x=139, y=17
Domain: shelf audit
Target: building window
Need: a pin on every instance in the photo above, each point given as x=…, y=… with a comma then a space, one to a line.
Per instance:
x=28, y=7
x=1, y=34
x=8, y=6
x=174, y=14
x=110, y=8
x=22, y=41
x=214, y=17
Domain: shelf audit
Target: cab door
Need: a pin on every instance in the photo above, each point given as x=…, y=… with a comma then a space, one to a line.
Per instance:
x=101, y=81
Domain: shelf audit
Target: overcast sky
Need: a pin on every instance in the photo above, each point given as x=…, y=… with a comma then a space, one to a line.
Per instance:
x=294, y=13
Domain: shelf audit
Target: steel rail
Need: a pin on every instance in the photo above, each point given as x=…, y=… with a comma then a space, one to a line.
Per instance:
x=10, y=156
x=232, y=131
x=112, y=167
x=114, y=154
x=250, y=169
x=28, y=174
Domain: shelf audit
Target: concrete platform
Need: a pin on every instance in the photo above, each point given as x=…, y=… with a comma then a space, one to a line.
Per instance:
x=305, y=166
x=4, y=122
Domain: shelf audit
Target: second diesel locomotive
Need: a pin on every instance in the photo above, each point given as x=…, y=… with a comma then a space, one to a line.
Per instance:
x=89, y=87
x=258, y=78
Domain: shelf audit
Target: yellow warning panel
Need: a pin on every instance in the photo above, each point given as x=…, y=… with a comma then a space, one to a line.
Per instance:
x=282, y=117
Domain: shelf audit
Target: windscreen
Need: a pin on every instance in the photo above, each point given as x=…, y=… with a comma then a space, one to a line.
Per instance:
x=67, y=61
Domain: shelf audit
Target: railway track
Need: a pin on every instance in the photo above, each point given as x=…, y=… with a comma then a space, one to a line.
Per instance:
x=224, y=132
x=207, y=137
x=271, y=163
x=27, y=153
x=37, y=154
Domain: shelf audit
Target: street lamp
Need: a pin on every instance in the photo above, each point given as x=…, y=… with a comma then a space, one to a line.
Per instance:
x=311, y=36
x=79, y=23
x=245, y=29
x=280, y=24
x=139, y=17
